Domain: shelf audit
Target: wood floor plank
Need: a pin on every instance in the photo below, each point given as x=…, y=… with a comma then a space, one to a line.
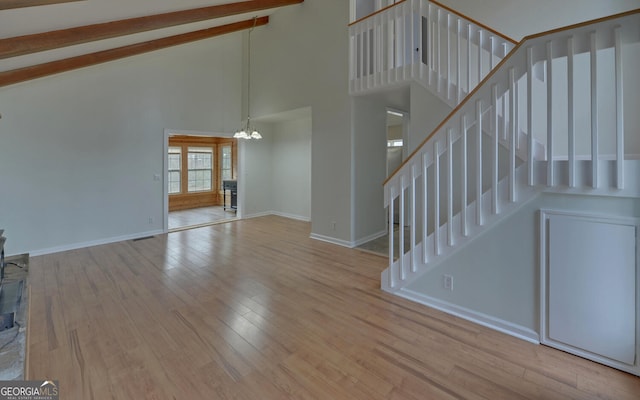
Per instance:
x=256, y=309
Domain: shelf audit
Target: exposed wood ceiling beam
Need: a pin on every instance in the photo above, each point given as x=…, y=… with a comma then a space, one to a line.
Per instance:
x=27, y=44
x=7, y=4
x=55, y=67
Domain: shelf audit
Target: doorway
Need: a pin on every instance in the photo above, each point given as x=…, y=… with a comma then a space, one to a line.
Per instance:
x=197, y=167
x=396, y=132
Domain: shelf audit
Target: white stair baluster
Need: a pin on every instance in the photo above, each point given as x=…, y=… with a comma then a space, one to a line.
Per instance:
x=495, y=156
x=594, y=110
x=432, y=44
x=402, y=42
x=448, y=74
x=458, y=61
x=379, y=50
x=571, y=112
x=401, y=230
x=439, y=61
x=516, y=117
x=425, y=209
x=530, y=164
x=479, y=217
x=619, y=111
x=390, y=39
x=359, y=67
x=413, y=44
x=469, y=58
x=450, y=187
x=505, y=120
x=412, y=210
x=479, y=56
x=436, y=195
x=464, y=179
x=351, y=61
x=392, y=278
x=513, y=130
x=492, y=45
x=549, y=76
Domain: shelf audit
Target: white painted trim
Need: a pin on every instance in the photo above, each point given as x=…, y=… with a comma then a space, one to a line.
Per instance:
x=277, y=213
x=257, y=215
x=138, y=235
x=165, y=181
x=544, y=306
x=91, y=243
x=352, y=10
x=594, y=217
x=602, y=157
x=328, y=239
x=500, y=325
x=291, y=216
x=369, y=238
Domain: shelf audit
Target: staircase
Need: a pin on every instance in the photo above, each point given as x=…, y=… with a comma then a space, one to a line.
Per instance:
x=549, y=114
x=423, y=41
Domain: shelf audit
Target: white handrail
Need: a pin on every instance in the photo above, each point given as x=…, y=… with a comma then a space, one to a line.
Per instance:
x=516, y=100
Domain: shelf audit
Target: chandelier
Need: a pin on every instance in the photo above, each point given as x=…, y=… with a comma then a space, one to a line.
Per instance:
x=247, y=131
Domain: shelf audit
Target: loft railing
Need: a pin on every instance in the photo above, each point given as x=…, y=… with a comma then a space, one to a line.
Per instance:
x=424, y=41
x=550, y=115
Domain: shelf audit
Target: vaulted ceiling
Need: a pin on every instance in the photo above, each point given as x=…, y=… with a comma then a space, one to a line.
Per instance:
x=41, y=39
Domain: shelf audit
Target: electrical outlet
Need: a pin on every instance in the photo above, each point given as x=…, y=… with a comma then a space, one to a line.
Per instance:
x=447, y=282
x=151, y=220
x=333, y=225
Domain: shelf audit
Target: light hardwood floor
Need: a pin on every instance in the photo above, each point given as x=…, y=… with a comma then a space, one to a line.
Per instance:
x=199, y=216
x=256, y=310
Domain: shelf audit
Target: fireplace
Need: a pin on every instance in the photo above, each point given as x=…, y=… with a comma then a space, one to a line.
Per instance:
x=2, y=240
x=8, y=292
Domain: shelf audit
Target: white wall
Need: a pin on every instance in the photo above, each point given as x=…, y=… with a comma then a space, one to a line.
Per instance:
x=369, y=167
x=79, y=150
x=300, y=59
x=427, y=112
x=256, y=174
x=291, y=161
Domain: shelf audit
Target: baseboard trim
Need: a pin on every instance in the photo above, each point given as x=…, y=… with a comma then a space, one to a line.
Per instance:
x=80, y=245
x=257, y=215
x=91, y=243
x=369, y=238
x=291, y=216
x=479, y=318
x=329, y=239
x=278, y=214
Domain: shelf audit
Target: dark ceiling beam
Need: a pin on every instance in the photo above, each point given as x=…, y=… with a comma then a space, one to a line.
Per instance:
x=7, y=4
x=68, y=64
x=28, y=44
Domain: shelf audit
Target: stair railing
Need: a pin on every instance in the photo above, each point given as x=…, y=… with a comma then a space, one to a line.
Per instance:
x=424, y=41
x=482, y=158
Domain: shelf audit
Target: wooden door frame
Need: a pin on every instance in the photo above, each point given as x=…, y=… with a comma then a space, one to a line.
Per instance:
x=165, y=165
